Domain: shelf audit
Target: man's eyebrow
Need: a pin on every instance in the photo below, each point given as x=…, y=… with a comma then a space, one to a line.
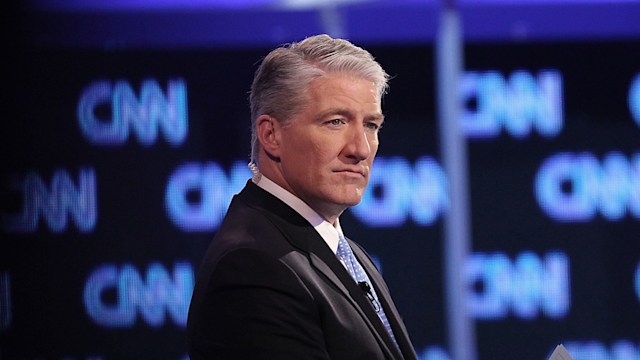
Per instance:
x=346, y=113
x=376, y=117
x=335, y=111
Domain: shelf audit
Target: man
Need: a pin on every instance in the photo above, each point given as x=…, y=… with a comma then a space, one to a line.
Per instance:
x=275, y=282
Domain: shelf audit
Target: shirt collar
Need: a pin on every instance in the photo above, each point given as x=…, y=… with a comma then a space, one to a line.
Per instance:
x=327, y=231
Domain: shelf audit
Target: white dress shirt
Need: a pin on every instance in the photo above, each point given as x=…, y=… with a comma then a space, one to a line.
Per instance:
x=329, y=233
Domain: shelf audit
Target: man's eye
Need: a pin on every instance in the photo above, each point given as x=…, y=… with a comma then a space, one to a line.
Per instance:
x=372, y=126
x=335, y=121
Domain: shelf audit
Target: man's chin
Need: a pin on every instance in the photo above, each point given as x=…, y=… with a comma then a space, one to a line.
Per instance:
x=351, y=201
x=345, y=202
x=345, y=198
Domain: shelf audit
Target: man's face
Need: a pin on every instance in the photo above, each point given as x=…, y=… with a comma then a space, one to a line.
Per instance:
x=329, y=146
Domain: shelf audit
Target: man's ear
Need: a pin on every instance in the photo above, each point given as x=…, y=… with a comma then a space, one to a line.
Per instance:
x=269, y=135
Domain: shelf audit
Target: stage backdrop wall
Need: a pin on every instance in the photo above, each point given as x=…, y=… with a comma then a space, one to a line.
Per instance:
x=118, y=166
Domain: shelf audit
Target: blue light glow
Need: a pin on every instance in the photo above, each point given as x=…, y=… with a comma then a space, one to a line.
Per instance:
x=574, y=187
x=56, y=205
x=527, y=286
x=145, y=116
x=152, y=298
x=434, y=353
x=398, y=191
x=598, y=350
x=215, y=190
x=634, y=98
x=517, y=104
x=137, y=5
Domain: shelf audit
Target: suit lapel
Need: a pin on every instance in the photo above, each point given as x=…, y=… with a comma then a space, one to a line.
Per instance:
x=326, y=263
x=339, y=276
x=302, y=235
x=399, y=330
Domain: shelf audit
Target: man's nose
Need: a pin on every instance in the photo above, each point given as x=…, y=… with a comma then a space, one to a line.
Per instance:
x=358, y=146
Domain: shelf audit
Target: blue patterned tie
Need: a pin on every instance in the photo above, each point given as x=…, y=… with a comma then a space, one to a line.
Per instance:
x=354, y=268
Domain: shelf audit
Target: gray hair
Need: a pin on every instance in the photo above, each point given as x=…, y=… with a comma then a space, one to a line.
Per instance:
x=280, y=84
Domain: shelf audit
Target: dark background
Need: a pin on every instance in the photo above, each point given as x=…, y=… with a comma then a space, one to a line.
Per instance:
x=43, y=274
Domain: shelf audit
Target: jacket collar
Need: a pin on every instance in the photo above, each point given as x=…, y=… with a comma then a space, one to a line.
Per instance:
x=303, y=236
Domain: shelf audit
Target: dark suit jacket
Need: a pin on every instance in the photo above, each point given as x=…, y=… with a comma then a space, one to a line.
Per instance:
x=269, y=287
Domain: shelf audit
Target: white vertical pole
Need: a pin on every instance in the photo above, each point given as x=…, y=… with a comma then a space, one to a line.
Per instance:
x=449, y=67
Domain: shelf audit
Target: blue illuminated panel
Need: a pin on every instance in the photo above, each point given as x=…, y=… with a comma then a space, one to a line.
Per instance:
x=214, y=187
x=577, y=187
x=145, y=114
x=528, y=287
x=154, y=298
x=634, y=98
x=520, y=104
x=55, y=203
x=406, y=191
x=555, y=185
x=228, y=23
